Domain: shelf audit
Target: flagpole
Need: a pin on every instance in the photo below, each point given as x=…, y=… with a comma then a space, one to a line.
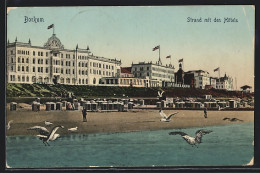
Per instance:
x=182, y=64
x=183, y=70
x=53, y=29
x=159, y=53
x=218, y=74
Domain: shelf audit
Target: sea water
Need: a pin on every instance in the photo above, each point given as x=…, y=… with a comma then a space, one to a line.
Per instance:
x=227, y=145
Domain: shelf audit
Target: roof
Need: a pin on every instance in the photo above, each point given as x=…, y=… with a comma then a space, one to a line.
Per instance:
x=196, y=71
x=126, y=70
x=245, y=87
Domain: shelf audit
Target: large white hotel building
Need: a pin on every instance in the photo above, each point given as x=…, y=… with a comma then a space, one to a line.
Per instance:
x=52, y=63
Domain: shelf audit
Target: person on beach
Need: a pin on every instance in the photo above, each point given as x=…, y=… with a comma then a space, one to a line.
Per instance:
x=84, y=113
x=205, y=112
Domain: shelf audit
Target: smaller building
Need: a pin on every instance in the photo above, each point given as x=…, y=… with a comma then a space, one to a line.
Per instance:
x=213, y=82
x=125, y=79
x=201, y=78
x=246, y=89
x=225, y=83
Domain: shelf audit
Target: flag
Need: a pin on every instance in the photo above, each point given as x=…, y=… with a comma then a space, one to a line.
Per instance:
x=181, y=60
x=51, y=26
x=155, y=48
x=217, y=69
x=168, y=56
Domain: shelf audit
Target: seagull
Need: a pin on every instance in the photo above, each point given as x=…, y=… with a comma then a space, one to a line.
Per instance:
x=47, y=123
x=192, y=140
x=9, y=124
x=51, y=136
x=40, y=129
x=166, y=118
x=160, y=94
x=73, y=129
x=232, y=119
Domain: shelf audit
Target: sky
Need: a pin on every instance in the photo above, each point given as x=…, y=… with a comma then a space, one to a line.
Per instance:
x=130, y=33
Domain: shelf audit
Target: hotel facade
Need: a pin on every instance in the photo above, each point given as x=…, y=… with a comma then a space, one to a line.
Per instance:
x=52, y=63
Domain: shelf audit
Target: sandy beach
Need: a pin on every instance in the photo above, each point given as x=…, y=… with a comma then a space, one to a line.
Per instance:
x=133, y=120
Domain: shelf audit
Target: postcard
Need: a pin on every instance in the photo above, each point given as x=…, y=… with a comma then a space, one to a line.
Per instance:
x=130, y=86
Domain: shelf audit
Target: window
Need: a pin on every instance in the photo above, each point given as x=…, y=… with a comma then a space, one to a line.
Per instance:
x=61, y=70
x=22, y=60
x=12, y=60
x=61, y=55
x=39, y=61
x=39, y=69
x=33, y=53
x=19, y=68
x=27, y=78
x=12, y=68
x=148, y=74
x=46, y=61
x=112, y=67
x=33, y=69
x=19, y=59
x=39, y=53
x=27, y=68
x=27, y=60
x=47, y=70
x=47, y=54
x=33, y=60
x=147, y=68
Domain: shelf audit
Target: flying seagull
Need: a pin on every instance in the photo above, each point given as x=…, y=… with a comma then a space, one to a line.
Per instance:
x=166, y=118
x=160, y=94
x=192, y=140
x=232, y=119
x=9, y=124
x=73, y=129
x=40, y=129
x=51, y=137
x=47, y=123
